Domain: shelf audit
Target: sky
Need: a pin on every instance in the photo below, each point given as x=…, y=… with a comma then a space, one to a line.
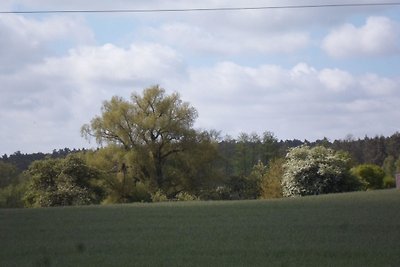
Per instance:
x=299, y=73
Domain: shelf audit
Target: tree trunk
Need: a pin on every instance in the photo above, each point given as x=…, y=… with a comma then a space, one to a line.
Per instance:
x=159, y=171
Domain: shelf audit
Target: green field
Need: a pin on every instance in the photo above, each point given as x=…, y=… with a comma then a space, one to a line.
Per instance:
x=356, y=229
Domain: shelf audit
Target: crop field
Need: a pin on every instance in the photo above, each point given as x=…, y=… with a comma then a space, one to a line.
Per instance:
x=354, y=229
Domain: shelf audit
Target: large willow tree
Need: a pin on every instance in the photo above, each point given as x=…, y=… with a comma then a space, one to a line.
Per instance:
x=154, y=125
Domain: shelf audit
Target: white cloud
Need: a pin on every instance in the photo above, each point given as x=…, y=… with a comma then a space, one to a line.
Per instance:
x=379, y=36
x=379, y=86
x=300, y=102
x=227, y=41
x=26, y=40
x=336, y=80
x=109, y=63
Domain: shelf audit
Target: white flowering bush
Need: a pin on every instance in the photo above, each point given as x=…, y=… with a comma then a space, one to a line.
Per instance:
x=317, y=170
x=185, y=196
x=60, y=182
x=159, y=196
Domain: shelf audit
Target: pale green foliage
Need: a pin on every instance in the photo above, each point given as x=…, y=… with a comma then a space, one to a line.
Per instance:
x=185, y=196
x=154, y=125
x=271, y=184
x=318, y=170
x=372, y=175
x=119, y=176
x=389, y=182
x=159, y=196
x=193, y=169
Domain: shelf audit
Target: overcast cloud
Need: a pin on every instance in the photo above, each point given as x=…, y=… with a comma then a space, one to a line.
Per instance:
x=300, y=73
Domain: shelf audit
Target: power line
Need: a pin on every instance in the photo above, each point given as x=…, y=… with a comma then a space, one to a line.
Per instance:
x=200, y=9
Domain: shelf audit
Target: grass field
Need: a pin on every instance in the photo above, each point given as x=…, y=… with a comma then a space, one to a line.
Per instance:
x=356, y=229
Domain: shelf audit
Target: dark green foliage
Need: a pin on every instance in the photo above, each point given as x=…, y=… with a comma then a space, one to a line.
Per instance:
x=370, y=150
x=60, y=182
x=239, y=156
x=247, y=187
x=22, y=161
x=12, y=186
x=371, y=175
x=11, y=196
x=389, y=166
x=356, y=229
x=218, y=193
x=239, y=187
x=8, y=174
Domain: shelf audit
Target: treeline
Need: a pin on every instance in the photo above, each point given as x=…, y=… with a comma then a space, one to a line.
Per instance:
x=240, y=154
x=22, y=161
x=151, y=152
x=234, y=172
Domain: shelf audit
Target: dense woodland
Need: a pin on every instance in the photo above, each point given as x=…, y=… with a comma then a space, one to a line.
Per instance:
x=149, y=151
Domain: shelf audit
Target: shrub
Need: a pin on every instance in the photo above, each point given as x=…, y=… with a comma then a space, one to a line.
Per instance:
x=389, y=182
x=318, y=170
x=159, y=196
x=185, y=196
x=218, y=193
x=370, y=174
x=59, y=182
x=11, y=196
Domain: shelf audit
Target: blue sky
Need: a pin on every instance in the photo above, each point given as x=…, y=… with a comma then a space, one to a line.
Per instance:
x=300, y=73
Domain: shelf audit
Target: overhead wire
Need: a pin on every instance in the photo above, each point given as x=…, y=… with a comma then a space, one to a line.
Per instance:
x=200, y=9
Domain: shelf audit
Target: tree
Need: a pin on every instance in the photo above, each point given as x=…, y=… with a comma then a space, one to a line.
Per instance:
x=195, y=169
x=250, y=186
x=269, y=147
x=8, y=174
x=389, y=166
x=318, y=170
x=60, y=182
x=119, y=179
x=154, y=125
x=254, y=180
x=11, y=196
x=243, y=154
x=372, y=175
x=271, y=182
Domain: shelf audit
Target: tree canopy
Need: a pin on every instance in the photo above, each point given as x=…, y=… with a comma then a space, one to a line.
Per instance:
x=154, y=125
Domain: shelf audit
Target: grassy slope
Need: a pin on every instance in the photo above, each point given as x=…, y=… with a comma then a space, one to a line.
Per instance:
x=357, y=229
